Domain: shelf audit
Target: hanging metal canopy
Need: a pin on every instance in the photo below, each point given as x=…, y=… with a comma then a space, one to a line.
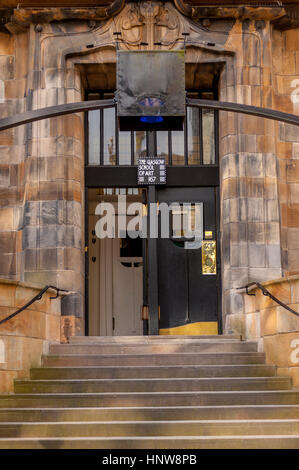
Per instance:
x=151, y=90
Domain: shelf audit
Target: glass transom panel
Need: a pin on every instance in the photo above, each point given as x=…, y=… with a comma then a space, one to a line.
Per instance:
x=195, y=145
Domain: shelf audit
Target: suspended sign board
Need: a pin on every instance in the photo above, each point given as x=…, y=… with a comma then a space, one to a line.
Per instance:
x=151, y=171
x=151, y=90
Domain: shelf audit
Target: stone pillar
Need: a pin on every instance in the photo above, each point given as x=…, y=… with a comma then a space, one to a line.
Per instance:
x=13, y=71
x=285, y=50
x=53, y=234
x=249, y=186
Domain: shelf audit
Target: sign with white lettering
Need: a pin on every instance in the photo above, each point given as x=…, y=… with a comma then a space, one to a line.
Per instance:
x=151, y=170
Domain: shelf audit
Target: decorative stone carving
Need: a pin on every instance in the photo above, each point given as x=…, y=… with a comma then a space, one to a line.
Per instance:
x=143, y=25
x=131, y=25
x=157, y=24
x=150, y=23
x=169, y=26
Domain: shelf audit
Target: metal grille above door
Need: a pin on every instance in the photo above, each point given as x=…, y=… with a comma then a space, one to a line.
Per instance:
x=196, y=145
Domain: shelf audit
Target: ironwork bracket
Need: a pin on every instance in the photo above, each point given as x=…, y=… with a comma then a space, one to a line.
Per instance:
x=34, y=299
x=248, y=292
x=268, y=294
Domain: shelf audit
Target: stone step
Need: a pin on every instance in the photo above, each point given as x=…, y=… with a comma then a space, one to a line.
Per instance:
x=150, y=428
x=161, y=348
x=152, y=392
x=157, y=399
x=157, y=442
x=108, y=372
x=77, y=360
x=149, y=339
x=152, y=385
x=167, y=413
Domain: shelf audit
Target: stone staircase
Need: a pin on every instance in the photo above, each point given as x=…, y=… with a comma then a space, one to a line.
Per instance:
x=152, y=392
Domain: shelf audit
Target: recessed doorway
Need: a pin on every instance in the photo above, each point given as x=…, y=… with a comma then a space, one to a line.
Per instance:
x=119, y=282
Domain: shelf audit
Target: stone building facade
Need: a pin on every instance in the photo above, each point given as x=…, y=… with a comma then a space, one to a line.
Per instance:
x=50, y=55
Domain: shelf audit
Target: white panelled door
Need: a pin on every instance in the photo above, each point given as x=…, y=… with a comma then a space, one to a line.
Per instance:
x=127, y=293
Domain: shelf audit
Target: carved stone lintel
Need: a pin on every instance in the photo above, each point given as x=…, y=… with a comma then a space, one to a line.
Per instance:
x=155, y=24
x=22, y=17
x=19, y=19
x=290, y=20
x=237, y=12
x=183, y=8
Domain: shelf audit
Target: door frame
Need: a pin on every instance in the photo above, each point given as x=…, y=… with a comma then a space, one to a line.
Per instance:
x=126, y=177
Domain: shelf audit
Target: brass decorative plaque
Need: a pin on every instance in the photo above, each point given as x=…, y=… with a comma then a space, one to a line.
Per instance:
x=209, y=257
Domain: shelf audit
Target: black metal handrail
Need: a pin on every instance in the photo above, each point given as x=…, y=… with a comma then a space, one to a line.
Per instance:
x=268, y=294
x=34, y=299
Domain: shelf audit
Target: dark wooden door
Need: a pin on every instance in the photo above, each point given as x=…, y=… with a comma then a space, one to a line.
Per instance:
x=186, y=295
